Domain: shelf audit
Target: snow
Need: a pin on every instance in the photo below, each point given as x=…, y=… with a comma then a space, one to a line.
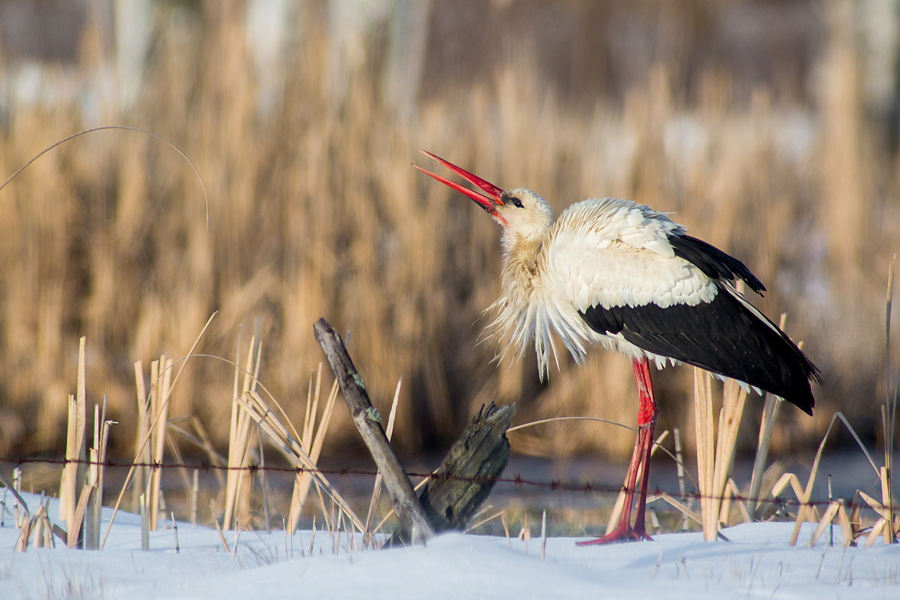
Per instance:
x=757, y=562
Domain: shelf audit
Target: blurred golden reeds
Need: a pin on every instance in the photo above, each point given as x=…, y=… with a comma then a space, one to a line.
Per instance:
x=315, y=211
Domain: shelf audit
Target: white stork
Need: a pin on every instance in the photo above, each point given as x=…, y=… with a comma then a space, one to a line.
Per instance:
x=619, y=274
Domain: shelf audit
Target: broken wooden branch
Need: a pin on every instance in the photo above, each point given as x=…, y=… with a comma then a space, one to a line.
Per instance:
x=367, y=420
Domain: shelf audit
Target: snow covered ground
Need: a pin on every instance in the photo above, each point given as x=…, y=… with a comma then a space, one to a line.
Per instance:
x=758, y=562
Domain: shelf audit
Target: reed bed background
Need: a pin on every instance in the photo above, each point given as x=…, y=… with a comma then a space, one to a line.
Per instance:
x=314, y=210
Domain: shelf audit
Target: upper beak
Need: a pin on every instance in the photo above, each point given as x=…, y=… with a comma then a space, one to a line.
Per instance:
x=489, y=201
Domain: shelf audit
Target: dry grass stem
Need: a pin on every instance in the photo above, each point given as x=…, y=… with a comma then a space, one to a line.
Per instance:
x=368, y=537
x=486, y=520
x=141, y=450
x=687, y=512
x=311, y=443
x=835, y=509
x=889, y=410
x=558, y=419
x=146, y=439
x=240, y=444
x=714, y=466
x=705, y=453
x=805, y=510
x=73, y=473
x=160, y=388
x=766, y=429
x=285, y=443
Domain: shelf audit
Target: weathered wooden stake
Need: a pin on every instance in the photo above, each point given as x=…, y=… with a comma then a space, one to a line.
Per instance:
x=407, y=507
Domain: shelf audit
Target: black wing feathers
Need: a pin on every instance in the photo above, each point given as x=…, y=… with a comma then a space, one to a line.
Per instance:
x=714, y=263
x=721, y=336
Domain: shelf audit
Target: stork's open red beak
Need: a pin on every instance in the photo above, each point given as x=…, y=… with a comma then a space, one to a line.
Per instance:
x=488, y=202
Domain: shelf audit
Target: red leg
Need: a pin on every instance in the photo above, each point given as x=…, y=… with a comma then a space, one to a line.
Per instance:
x=640, y=461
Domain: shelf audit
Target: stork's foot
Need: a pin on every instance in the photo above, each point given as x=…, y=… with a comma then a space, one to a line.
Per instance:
x=620, y=534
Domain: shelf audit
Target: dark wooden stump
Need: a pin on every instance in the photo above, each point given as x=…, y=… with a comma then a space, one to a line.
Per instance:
x=469, y=471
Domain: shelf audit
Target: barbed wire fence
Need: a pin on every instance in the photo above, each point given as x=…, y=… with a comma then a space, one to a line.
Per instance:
x=515, y=480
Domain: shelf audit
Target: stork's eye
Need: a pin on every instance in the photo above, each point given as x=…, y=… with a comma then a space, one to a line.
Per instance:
x=517, y=203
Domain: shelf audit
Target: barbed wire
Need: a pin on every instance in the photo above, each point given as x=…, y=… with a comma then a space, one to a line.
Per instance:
x=517, y=480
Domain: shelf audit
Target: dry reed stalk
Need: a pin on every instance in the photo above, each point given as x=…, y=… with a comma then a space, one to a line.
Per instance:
x=766, y=428
x=146, y=439
x=17, y=489
x=803, y=495
x=67, y=495
x=287, y=444
x=680, y=470
x=687, y=512
x=785, y=480
x=160, y=391
x=476, y=524
x=323, y=508
x=714, y=466
x=141, y=450
x=888, y=411
x=39, y=531
x=153, y=405
x=145, y=523
x=20, y=503
x=245, y=483
x=104, y=444
x=95, y=478
x=313, y=446
x=214, y=457
x=543, y=534
x=73, y=473
x=312, y=403
x=240, y=445
x=230, y=481
x=806, y=510
x=705, y=456
x=40, y=527
x=179, y=458
x=877, y=530
x=884, y=517
x=199, y=439
x=734, y=398
x=263, y=484
x=75, y=531
x=25, y=535
x=731, y=492
x=890, y=533
x=195, y=494
x=835, y=509
x=368, y=538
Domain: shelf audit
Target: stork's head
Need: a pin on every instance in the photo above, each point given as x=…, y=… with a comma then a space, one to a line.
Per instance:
x=521, y=212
